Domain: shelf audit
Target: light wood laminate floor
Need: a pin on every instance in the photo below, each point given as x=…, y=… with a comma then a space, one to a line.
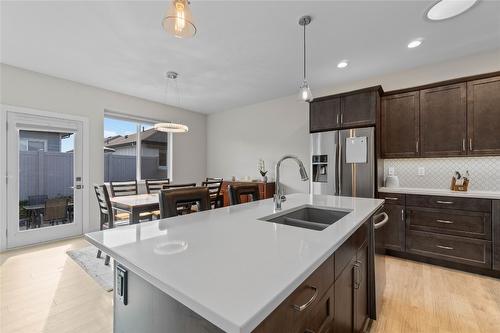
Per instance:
x=43, y=290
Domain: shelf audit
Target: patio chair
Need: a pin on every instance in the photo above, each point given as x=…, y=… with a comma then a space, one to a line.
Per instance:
x=56, y=210
x=155, y=185
x=120, y=189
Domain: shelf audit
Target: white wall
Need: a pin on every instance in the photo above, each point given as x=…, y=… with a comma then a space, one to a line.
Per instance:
x=238, y=138
x=19, y=87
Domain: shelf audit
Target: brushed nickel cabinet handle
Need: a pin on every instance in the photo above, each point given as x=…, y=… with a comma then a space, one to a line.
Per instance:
x=416, y=145
x=357, y=283
x=402, y=214
x=444, y=247
x=470, y=144
x=463, y=144
x=445, y=202
x=445, y=221
x=338, y=118
x=342, y=118
x=390, y=198
x=309, y=302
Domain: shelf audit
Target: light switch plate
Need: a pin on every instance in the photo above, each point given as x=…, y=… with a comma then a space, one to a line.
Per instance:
x=421, y=171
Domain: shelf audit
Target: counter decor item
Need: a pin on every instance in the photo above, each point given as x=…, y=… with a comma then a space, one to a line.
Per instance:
x=459, y=182
x=392, y=181
x=262, y=170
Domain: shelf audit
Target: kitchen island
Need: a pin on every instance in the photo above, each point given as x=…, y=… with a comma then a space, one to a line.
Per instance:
x=223, y=269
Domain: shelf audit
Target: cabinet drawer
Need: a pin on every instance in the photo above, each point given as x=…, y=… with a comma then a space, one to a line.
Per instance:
x=431, y=201
x=462, y=250
x=287, y=317
x=392, y=198
x=452, y=222
x=321, y=316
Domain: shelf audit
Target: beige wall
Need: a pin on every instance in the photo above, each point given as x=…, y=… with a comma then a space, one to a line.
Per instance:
x=238, y=138
x=19, y=87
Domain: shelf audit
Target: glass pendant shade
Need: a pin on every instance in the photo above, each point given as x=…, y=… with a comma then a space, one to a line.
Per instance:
x=171, y=128
x=305, y=92
x=178, y=20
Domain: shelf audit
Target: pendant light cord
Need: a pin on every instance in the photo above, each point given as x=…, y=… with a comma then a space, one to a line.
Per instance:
x=304, y=52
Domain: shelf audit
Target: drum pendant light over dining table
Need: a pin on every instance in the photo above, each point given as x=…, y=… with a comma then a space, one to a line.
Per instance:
x=304, y=90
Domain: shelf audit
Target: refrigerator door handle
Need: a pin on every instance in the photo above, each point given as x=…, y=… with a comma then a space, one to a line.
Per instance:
x=339, y=171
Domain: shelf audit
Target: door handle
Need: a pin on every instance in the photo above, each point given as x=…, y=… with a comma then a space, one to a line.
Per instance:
x=304, y=306
x=381, y=223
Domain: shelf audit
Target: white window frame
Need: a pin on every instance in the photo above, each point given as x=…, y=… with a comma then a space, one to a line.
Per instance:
x=140, y=121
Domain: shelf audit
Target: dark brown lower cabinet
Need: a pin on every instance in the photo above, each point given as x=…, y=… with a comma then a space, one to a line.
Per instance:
x=496, y=234
x=351, y=294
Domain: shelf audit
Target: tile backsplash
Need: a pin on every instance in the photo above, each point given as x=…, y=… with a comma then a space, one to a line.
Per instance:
x=484, y=172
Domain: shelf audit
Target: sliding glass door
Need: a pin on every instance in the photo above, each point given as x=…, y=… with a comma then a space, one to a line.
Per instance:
x=44, y=186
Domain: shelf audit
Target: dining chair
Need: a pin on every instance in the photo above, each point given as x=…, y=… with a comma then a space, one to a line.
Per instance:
x=120, y=189
x=237, y=190
x=56, y=210
x=170, y=200
x=155, y=185
x=107, y=218
x=186, y=208
x=214, y=190
x=213, y=179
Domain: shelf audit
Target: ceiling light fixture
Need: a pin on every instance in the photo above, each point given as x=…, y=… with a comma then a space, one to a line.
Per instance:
x=171, y=127
x=342, y=64
x=446, y=9
x=414, y=43
x=304, y=91
x=178, y=20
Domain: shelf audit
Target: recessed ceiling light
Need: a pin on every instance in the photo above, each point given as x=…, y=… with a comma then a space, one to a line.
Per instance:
x=414, y=43
x=342, y=64
x=446, y=9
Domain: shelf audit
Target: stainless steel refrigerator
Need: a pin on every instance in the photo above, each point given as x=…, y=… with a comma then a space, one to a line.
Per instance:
x=343, y=162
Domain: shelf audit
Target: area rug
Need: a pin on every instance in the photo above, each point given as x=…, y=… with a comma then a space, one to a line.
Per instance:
x=87, y=259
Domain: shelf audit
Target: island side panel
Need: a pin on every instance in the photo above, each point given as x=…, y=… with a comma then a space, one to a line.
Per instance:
x=149, y=310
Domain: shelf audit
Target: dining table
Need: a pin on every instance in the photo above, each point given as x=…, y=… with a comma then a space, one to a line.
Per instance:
x=136, y=204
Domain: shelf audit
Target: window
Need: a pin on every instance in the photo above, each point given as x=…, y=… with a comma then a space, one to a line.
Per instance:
x=124, y=141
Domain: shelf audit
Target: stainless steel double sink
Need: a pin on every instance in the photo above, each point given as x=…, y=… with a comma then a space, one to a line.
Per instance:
x=307, y=216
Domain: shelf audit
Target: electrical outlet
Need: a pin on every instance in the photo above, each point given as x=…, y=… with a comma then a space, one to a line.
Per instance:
x=421, y=171
x=391, y=171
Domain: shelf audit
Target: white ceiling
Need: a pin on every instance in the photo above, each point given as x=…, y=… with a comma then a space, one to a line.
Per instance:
x=244, y=52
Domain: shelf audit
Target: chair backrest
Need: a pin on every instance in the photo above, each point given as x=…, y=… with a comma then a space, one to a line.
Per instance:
x=37, y=199
x=213, y=179
x=105, y=207
x=172, y=198
x=214, y=188
x=120, y=189
x=155, y=185
x=55, y=209
x=170, y=186
x=237, y=190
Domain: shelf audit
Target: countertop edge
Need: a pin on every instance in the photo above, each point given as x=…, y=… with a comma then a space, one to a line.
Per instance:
x=442, y=192
x=215, y=318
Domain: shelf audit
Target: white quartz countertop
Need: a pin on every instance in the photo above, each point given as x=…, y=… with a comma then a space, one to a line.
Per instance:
x=225, y=264
x=444, y=192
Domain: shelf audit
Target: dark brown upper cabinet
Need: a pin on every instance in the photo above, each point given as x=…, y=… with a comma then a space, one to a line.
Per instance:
x=483, y=116
x=400, y=125
x=324, y=115
x=347, y=110
x=443, y=121
x=359, y=109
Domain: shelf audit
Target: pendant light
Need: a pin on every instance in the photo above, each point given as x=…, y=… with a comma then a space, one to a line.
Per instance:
x=178, y=20
x=171, y=127
x=304, y=91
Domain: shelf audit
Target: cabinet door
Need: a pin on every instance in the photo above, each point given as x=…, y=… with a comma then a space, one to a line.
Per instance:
x=324, y=115
x=400, y=125
x=343, y=309
x=483, y=116
x=359, y=109
x=443, y=121
x=361, y=289
x=394, y=231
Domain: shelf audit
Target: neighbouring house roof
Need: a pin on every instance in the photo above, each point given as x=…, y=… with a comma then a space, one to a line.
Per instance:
x=150, y=136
